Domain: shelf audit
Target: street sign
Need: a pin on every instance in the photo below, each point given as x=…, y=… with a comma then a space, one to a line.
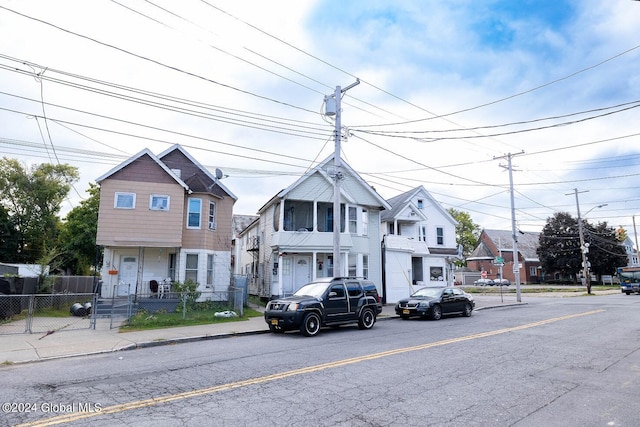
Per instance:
x=483, y=274
x=499, y=261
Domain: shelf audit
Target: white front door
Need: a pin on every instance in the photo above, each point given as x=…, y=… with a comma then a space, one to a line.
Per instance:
x=128, y=275
x=301, y=271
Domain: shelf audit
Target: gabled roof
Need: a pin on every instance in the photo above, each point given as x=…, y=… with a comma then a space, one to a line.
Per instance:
x=527, y=242
x=132, y=159
x=319, y=169
x=399, y=202
x=214, y=178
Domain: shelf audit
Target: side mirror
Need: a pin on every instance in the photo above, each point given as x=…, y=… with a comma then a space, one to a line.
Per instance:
x=332, y=294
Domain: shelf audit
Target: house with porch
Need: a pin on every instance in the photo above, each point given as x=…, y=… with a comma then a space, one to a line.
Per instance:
x=163, y=219
x=292, y=241
x=418, y=244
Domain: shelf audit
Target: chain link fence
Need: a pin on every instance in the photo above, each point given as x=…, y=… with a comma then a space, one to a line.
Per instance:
x=42, y=313
x=48, y=313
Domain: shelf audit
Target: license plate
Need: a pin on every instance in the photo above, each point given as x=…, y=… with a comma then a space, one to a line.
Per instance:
x=274, y=322
x=405, y=311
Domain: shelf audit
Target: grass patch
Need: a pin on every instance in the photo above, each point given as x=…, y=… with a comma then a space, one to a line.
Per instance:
x=143, y=320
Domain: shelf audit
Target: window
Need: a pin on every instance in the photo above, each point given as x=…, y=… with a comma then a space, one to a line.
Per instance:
x=191, y=268
x=423, y=233
x=158, y=202
x=439, y=235
x=420, y=204
x=172, y=266
x=339, y=292
x=324, y=212
x=193, y=213
x=435, y=274
x=298, y=215
x=353, y=220
x=353, y=266
x=365, y=222
x=125, y=201
x=354, y=290
x=210, y=259
x=212, y=216
x=365, y=266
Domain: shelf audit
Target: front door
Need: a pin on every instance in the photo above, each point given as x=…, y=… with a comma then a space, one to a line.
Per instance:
x=301, y=271
x=128, y=275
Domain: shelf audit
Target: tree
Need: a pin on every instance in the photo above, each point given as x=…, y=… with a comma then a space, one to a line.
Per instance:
x=32, y=199
x=560, y=251
x=78, y=234
x=467, y=233
x=605, y=251
x=8, y=236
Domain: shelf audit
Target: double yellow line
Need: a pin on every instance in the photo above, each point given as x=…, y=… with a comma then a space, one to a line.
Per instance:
x=60, y=419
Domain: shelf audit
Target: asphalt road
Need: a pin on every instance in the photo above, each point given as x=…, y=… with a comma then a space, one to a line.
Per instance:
x=553, y=362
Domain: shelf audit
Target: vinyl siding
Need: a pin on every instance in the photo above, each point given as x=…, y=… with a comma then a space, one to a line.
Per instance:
x=140, y=226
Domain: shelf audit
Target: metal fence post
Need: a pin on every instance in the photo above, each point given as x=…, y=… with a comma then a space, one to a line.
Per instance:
x=27, y=325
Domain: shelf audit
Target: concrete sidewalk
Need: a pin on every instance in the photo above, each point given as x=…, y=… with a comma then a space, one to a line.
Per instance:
x=23, y=348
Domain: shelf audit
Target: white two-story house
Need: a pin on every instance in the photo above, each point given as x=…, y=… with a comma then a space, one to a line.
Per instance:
x=292, y=242
x=418, y=244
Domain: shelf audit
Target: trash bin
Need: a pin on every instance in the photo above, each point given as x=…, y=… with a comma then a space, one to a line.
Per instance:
x=78, y=309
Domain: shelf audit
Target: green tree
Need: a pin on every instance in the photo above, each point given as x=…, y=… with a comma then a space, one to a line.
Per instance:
x=605, y=251
x=32, y=198
x=467, y=233
x=8, y=237
x=560, y=250
x=77, y=238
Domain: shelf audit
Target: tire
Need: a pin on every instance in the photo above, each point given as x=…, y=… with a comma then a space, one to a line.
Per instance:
x=310, y=326
x=467, y=310
x=436, y=312
x=628, y=293
x=367, y=319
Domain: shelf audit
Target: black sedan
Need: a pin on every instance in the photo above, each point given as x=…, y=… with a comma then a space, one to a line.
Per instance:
x=435, y=302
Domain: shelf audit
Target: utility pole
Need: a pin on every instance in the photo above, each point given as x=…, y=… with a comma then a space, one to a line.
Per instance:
x=338, y=176
x=516, y=260
x=583, y=247
x=635, y=232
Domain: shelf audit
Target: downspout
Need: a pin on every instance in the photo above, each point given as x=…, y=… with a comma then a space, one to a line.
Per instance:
x=384, y=269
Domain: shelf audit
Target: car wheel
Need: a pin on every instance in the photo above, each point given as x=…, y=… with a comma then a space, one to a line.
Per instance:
x=436, y=312
x=628, y=293
x=467, y=310
x=310, y=325
x=367, y=319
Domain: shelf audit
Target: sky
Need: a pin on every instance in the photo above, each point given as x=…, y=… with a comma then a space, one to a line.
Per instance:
x=449, y=94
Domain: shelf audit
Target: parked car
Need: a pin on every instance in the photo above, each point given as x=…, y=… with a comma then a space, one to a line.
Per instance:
x=435, y=302
x=325, y=302
x=484, y=282
x=501, y=282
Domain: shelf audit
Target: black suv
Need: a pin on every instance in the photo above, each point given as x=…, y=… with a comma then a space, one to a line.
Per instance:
x=325, y=302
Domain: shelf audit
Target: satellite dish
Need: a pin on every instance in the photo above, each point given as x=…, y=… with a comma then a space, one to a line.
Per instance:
x=219, y=174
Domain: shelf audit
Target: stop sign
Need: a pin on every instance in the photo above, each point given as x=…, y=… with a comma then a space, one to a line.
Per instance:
x=483, y=274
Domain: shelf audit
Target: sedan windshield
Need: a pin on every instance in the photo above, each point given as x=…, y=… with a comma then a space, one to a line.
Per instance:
x=428, y=292
x=312, y=289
